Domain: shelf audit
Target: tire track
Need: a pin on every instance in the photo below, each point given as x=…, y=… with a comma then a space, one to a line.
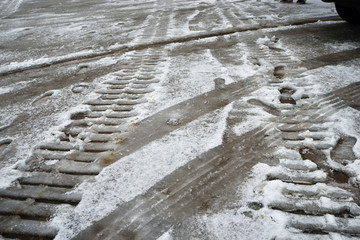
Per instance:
x=227, y=13
x=181, y=193
x=313, y=198
x=188, y=189
x=94, y=140
x=316, y=201
x=159, y=43
x=56, y=167
x=9, y=7
x=350, y=95
x=99, y=132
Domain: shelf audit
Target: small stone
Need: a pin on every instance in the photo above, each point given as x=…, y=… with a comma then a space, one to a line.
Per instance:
x=173, y=122
x=219, y=83
x=255, y=205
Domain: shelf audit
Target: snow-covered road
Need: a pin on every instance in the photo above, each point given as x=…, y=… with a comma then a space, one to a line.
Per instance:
x=177, y=119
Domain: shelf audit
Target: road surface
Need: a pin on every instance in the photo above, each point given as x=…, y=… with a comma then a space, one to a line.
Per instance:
x=175, y=119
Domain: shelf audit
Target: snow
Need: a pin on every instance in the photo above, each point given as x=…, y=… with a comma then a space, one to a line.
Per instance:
x=16, y=86
x=182, y=76
x=339, y=47
x=34, y=131
x=200, y=73
x=124, y=180
x=236, y=224
x=4, y=90
x=9, y=7
x=347, y=125
x=244, y=222
x=8, y=175
x=254, y=118
x=329, y=78
x=166, y=236
x=46, y=61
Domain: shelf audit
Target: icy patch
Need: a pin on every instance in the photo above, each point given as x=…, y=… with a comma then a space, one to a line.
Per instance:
x=124, y=180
